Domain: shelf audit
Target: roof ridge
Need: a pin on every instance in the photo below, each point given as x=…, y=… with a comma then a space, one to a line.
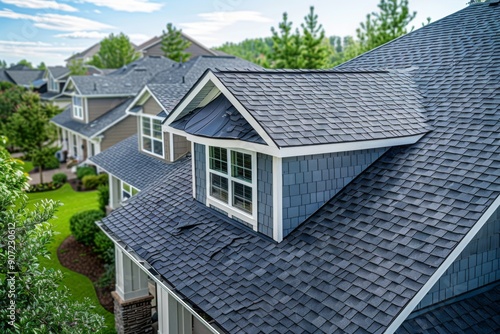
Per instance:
x=299, y=71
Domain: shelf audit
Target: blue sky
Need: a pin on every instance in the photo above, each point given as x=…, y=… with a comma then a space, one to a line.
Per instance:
x=52, y=30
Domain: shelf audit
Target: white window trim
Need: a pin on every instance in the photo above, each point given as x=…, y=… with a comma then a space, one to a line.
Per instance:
x=151, y=118
x=123, y=198
x=78, y=110
x=228, y=207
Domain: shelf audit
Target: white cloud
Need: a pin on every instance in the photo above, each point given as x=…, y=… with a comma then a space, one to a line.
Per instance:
x=37, y=50
x=133, y=6
x=138, y=38
x=213, y=22
x=56, y=21
x=40, y=4
x=83, y=35
x=97, y=11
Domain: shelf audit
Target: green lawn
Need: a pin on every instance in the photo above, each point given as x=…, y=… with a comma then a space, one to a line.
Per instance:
x=79, y=285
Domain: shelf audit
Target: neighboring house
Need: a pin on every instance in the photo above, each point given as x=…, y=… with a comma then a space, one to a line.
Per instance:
x=96, y=118
x=139, y=160
x=56, y=77
x=152, y=47
x=24, y=77
x=364, y=199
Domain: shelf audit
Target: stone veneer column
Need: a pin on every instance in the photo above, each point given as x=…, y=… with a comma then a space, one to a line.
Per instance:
x=132, y=301
x=134, y=315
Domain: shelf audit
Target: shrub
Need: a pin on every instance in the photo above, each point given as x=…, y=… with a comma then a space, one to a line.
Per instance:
x=83, y=227
x=104, y=247
x=103, y=197
x=40, y=187
x=59, y=178
x=81, y=172
x=94, y=181
x=51, y=163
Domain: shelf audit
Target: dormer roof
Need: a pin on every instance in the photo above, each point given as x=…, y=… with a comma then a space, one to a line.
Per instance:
x=58, y=72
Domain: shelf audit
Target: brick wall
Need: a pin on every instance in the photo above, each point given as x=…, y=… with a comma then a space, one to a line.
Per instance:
x=476, y=266
x=200, y=172
x=309, y=181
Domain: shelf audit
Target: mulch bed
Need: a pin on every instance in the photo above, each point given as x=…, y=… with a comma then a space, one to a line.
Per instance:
x=80, y=258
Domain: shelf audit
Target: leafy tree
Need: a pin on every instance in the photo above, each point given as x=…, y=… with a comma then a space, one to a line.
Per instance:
x=31, y=298
x=314, y=49
x=26, y=63
x=31, y=130
x=42, y=66
x=173, y=44
x=286, y=45
x=389, y=23
x=115, y=52
x=76, y=67
x=255, y=50
x=10, y=98
x=3, y=64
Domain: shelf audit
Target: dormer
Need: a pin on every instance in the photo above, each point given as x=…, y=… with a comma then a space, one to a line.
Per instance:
x=151, y=106
x=271, y=147
x=56, y=77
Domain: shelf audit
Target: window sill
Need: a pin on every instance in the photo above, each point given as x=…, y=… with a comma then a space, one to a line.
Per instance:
x=232, y=212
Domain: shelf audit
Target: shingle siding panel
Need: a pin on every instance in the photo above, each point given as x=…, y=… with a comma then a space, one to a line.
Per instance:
x=265, y=194
x=200, y=163
x=309, y=181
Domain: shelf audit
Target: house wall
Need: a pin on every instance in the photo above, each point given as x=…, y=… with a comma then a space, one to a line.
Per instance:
x=476, y=266
x=151, y=107
x=265, y=194
x=118, y=132
x=200, y=172
x=309, y=181
x=181, y=146
x=99, y=106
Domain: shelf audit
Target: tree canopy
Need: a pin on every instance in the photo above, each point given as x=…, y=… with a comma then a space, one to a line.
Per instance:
x=286, y=45
x=31, y=297
x=26, y=63
x=76, y=67
x=174, y=45
x=115, y=52
x=314, y=48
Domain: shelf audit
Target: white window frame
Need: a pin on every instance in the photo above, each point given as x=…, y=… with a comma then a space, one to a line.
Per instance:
x=53, y=84
x=78, y=109
x=129, y=192
x=233, y=211
x=151, y=137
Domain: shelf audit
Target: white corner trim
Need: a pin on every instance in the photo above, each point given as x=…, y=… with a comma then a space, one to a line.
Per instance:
x=160, y=283
x=193, y=177
x=170, y=144
x=277, y=199
x=441, y=270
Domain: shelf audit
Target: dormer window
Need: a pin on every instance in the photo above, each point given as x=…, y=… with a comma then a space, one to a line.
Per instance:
x=78, y=107
x=152, y=136
x=127, y=191
x=53, y=85
x=232, y=182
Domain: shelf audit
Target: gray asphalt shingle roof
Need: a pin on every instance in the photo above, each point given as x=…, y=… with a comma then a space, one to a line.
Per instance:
x=168, y=95
x=476, y=314
x=128, y=80
x=58, y=71
x=298, y=108
x=357, y=262
x=23, y=77
x=95, y=127
x=124, y=161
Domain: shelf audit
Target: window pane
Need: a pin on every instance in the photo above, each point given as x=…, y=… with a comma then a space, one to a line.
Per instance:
x=126, y=187
x=146, y=144
x=242, y=197
x=157, y=129
x=134, y=191
x=241, y=164
x=157, y=147
x=218, y=187
x=125, y=195
x=146, y=126
x=218, y=159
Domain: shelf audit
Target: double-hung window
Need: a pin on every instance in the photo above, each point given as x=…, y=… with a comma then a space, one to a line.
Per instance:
x=232, y=179
x=78, y=107
x=127, y=191
x=152, y=136
x=53, y=85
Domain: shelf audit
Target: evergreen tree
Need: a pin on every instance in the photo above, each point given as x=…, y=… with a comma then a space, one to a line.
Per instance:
x=173, y=44
x=315, y=50
x=31, y=298
x=115, y=52
x=41, y=66
x=255, y=50
x=286, y=46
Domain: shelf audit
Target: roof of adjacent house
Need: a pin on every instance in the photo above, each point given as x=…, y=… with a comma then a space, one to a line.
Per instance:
x=25, y=77
x=190, y=71
x=127, y=80
x=298, y=107
x=157, y=39
x=355, y=264
x=127, y=163
x=58, y=71
x=50, y=96
x=168, y=95
x=65, y=120
x=87, y=53
x=475, y=313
